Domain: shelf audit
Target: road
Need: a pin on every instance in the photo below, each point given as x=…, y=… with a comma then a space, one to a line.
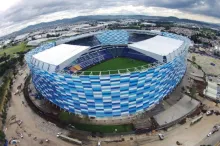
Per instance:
x=212, y=140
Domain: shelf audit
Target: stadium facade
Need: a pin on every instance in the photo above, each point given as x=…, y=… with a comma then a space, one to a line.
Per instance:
x=59, y=74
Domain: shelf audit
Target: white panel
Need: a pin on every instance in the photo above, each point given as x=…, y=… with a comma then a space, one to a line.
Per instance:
x=59, y=56
x=71, y=59
x=179, y=50
x=40, y=64
x=52, y=68
x=210, y=95
x=45, y=67
x=153, y=55
x=211, y=90
x=157, y=47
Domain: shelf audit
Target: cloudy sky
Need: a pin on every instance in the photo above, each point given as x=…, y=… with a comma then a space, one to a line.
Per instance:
x=17, y=14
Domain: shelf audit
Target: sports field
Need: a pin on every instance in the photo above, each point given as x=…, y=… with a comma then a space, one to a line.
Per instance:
x=115, y=64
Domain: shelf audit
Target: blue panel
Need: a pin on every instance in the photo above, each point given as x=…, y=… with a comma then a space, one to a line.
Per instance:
x=113, y=37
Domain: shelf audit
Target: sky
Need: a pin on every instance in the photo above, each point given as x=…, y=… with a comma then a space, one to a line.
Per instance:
x=18, y=14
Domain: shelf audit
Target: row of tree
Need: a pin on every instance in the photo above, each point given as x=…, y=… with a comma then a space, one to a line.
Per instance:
x=5, y=93
x=4, y=57
x=10, y=63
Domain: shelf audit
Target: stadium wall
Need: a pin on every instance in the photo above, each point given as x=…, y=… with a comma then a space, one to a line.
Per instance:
x=108, y=95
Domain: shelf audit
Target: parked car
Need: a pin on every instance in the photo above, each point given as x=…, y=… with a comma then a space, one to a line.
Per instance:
x=209, y=113
x=99, y=143
x=210, y=133
x=17, y=91
x=217, y=112
x=161, y=136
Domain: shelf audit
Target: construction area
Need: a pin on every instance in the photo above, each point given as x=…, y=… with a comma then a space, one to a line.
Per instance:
x=210, y=65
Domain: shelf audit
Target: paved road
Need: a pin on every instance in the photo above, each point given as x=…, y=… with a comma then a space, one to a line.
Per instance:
x=212, y=140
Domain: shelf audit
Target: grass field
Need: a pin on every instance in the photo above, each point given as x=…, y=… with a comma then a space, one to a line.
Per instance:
x=116, y=64
x=104, y=128
x=14, y=49
x=69, y=119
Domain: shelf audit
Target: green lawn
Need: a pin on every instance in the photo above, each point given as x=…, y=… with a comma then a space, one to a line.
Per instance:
x=104, y=128
x=116, y=64
x=71, y=119
x=14, y=49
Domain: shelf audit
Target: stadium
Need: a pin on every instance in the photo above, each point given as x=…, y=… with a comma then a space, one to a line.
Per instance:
x=109, y=74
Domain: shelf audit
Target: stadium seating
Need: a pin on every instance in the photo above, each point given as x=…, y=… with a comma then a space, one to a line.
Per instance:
x=130, y=53
x=88, y=41
x=77, y=67
x=73, y=69
x=107, y=52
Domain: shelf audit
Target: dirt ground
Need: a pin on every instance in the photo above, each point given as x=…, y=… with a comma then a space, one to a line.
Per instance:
x=32, y=126
x=204, y=61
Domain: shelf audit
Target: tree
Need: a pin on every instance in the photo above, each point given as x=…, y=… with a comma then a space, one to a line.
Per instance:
x=192, y=91
x=86, y=118
x=21, y=59
x=182, y=88
x=65, y=117
x=14, y=72
x=2, y=136
x=193, y=59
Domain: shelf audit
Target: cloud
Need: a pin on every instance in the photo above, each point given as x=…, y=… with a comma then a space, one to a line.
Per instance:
x=204, y=7
x=26, y=12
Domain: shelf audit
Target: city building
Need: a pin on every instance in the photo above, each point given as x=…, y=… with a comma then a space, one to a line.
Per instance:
x=21, y=37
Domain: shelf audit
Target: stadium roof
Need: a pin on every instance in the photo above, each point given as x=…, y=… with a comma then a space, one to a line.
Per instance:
x=58, y=57
x=157, y=47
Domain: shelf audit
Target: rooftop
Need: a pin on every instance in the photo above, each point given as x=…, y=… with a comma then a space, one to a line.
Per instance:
x=159, y=45
x=59, y=55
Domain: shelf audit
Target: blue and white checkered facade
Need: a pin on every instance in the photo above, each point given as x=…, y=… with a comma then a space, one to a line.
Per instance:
x=108, y=95
x=113, y=37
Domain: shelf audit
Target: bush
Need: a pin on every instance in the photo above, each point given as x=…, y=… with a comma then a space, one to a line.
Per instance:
x=2, y=136
x=199, y=67
x=65, y=117
x=104, y=128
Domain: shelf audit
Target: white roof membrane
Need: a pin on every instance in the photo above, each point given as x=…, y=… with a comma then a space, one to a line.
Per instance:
x=159, y=46
x=58, y=57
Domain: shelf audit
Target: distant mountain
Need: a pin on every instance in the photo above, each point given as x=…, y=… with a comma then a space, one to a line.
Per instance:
x=84, y=18
x=105, y=17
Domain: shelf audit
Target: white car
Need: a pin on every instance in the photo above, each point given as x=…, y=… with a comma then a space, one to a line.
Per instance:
x=16, y=92
x=210, y=133
x=209, y=113
x=161, y=136
x=21, y=135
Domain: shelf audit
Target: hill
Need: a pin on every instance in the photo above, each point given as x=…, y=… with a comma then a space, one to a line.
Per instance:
x=45, y=25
